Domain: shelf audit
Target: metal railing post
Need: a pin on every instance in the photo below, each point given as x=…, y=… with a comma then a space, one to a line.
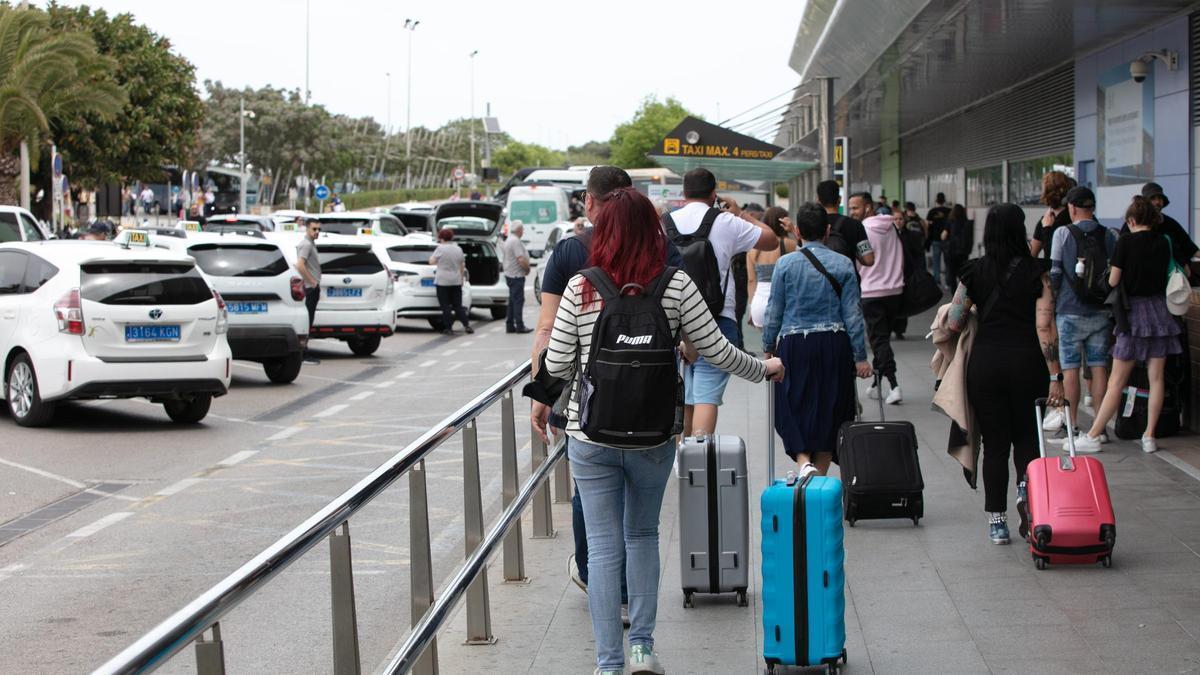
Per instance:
x=479, y=610
x=421, y=565
x=341, y=595
x=514, y=553
x=543, y=519
x=210, y=654
x=562, y=482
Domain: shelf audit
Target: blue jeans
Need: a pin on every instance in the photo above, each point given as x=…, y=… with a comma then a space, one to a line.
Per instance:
x=622, y=492
x=516, y=302
x=935, y=261
x=579, y=528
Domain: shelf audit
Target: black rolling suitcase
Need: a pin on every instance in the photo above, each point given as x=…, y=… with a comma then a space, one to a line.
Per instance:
x=1130, y=423
x=881, y=473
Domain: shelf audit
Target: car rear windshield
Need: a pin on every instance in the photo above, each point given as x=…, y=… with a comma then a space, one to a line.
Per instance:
x=468, y=225
x=336, y=260
x=239, y=261
x=533, y=212
x=410, y=254
x=135, y=283
x=419, y=222
x=215, y=223
x=343, y=226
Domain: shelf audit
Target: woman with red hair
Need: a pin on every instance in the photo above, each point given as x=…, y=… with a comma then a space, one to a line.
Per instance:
x=621, y=486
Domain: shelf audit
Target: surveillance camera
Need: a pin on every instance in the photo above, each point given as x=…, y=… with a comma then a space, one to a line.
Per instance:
x=1138, y=70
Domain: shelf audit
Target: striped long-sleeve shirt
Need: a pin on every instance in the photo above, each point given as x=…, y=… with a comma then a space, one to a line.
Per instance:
x=686, y=312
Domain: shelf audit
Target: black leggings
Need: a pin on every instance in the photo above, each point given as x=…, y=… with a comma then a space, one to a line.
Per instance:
x=450, y=299
x=1002, y=385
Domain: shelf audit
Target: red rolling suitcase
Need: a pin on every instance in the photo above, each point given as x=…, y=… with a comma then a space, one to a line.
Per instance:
x=1070, y=513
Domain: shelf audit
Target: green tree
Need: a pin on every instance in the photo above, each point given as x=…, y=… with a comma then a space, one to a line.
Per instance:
x=157, y=125
x=46, y=77
x=515, y=155
x=590, y=153
x=633, y=139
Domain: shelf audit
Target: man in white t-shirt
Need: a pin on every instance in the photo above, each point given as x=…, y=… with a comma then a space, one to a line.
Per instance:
x=732, y=232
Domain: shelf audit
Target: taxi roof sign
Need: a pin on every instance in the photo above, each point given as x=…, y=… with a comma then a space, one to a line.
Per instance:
x=138, y=238
x=189, y=225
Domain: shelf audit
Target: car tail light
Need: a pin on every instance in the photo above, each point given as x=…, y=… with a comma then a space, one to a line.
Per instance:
x=222, y=313
x=297, y=288
x=69, y=313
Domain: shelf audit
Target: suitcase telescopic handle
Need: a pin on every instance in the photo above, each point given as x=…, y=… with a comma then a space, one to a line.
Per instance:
x=770, y=433
x=879, y=394
x=1038, y=406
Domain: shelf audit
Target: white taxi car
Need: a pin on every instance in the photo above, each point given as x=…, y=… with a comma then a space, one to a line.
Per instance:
x=416, y=292
x=476, y=228
x=263, y=293
x=87, y=320
x=357, y=291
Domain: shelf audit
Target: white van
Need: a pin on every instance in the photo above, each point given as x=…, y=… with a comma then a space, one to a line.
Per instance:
x=541, y=209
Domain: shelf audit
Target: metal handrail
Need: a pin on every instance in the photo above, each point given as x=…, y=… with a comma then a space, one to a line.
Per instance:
x=427, y=628
x=203, y=613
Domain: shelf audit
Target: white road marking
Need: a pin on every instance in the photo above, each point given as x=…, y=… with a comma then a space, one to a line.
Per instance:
x=456, y=365
x=1174, y=461
x=403, y=375
x=180, y=486
x=285, y=433
x=237, y=458
x=43, y=473
x=383, y=385
x=12, y=569
x=468, y=343
x=362, y=395
x=449, y=352
x=428, y=364
x=332, y=410
x=89, y=530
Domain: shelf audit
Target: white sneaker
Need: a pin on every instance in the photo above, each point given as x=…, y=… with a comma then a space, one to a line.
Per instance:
x=1086, y=445
x=1053, y=420
x=873, y=393
x=1149, y=444
x=808, y=470
x=894, y=396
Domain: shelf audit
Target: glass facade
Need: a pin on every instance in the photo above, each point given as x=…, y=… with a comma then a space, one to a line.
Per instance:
x=947, y=184
x=916, y=190
x=1025, y=177
x=985, y=186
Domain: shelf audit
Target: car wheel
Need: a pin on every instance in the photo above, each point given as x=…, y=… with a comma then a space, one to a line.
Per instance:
x=284, y=370
x=436, y=324
x=499, y=313
x=188, y=410
x=24, y=400
x=537, y=288
x=364, y=346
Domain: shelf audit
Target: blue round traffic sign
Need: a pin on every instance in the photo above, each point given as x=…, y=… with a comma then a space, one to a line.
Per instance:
x=321, y=192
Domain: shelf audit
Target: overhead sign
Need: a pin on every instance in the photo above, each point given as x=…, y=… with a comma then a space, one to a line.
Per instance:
x=841, y=160
x=696, y=138
x=321, y=192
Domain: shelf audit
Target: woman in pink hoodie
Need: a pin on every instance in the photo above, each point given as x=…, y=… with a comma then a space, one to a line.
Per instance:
x=882, y=290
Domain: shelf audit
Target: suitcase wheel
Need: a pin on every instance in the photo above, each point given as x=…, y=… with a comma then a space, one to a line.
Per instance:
x=1106, y=560
x=844, y=659
x=916, y=521
x=1039, y=562
x=741, y=598
x=688, y=603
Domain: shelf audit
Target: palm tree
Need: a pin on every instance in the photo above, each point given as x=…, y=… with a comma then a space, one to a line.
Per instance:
x=44, y=76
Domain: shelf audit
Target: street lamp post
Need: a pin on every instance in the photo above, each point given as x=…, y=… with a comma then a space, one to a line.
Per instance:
x=242, y=115
x=410, y=25
x=472, y=57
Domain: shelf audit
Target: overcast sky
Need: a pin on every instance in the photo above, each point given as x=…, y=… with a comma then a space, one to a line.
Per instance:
x=554, y=73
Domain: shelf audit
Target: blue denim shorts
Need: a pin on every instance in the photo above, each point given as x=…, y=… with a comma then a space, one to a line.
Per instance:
x=1083, y=338
x=703, y=382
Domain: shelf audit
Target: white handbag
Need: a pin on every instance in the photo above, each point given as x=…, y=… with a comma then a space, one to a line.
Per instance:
x=1179, y=291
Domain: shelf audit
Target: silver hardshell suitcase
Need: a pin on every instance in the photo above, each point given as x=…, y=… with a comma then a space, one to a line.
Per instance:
x=714, y=517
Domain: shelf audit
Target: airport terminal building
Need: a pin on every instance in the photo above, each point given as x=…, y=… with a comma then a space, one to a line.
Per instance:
x=978, y=98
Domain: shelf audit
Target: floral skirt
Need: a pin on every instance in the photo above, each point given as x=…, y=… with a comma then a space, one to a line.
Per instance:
x=1153, y=331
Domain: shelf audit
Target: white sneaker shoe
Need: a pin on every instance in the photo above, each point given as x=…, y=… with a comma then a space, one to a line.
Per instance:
x=808, y=470
x=894, y=396
x=873, y=393
x=1053, y=420
x=1149, y=444
x=1086, y=445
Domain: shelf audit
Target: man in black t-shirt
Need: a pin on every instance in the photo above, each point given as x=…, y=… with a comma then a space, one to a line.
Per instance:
x=1182, y=246
x=846, y=235
x=933, y=235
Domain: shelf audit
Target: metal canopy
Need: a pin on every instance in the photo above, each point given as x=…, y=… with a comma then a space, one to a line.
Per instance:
x=942, y=56
x=777, y=170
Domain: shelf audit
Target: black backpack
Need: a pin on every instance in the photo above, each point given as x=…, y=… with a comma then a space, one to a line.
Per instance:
x=700, y=260
x=631, y=393
x=836, y=241
x=1091, y=287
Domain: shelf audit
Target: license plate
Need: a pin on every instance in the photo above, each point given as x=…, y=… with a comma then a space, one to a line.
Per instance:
x=152, y=333
x=427, y=283
x=247, y=307
x=343, y=293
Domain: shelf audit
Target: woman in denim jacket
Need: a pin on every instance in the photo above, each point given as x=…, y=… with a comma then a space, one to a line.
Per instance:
x=815, y=325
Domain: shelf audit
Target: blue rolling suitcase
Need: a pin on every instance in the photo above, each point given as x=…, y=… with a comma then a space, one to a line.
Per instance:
x=803, y=589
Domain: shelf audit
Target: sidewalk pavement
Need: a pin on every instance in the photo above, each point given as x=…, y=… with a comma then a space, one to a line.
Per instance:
x=935, y=598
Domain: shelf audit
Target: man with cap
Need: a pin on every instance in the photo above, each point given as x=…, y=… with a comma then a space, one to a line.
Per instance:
x=1182, y=246
x=97, y=231
x=1084, y=327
